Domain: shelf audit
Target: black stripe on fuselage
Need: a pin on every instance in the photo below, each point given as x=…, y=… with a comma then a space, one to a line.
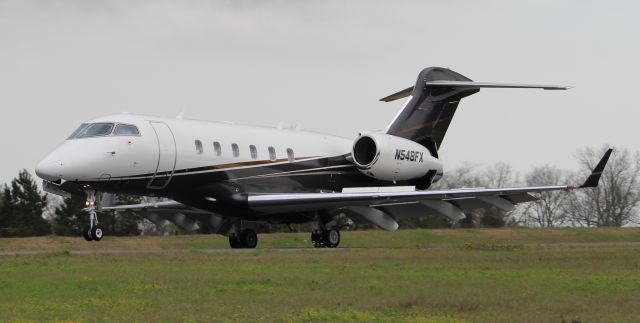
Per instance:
x=219, y=167
x=229, y=185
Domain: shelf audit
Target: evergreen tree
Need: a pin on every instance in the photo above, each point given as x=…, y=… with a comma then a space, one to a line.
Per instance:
x=493, y=218
x=70, y=217
x=22, y=208
x=122, y=223
x=128, y=223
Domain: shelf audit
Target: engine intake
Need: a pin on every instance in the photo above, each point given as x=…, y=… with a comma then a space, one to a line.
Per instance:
x=364, y=151
x=390, y=158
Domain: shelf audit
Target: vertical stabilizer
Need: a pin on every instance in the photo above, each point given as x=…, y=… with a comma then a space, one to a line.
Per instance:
x=427, y=114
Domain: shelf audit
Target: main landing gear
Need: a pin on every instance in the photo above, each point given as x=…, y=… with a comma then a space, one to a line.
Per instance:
x=325, y=238
x=326, y=233
x=246, y=239
x=92, y=232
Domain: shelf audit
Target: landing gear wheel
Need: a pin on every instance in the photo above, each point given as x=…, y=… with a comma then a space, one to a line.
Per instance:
x=249, y=238
x=234, y=242
x=331, y=238
x=86, y=233
x=316, y=238
x=97, y=233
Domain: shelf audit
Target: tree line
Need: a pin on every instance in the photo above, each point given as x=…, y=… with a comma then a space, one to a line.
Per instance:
x=614, y=203
x=26, y=211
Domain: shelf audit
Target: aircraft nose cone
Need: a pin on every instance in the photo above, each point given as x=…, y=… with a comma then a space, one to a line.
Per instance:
x=50, y=170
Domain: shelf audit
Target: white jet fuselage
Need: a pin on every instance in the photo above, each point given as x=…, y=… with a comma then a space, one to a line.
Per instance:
x=176, y=147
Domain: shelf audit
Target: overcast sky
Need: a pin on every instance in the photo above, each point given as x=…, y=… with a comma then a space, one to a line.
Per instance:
x=324, y=65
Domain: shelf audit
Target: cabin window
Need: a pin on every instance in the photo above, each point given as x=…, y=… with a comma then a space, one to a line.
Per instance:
x=253, y=151
x=217, y=148
x=126, y=130
x=235, y=149
x=199, y=149
x=95, y=130
x=290, y=155
x=272, y=154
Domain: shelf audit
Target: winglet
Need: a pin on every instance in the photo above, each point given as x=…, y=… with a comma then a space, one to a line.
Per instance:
x=594, y=178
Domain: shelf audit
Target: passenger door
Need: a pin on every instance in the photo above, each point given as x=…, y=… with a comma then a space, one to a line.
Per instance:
x=166, y=156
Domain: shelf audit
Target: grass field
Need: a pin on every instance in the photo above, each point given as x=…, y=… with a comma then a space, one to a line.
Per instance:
x=506, y=275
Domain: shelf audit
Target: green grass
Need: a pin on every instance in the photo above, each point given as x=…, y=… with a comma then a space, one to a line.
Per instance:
x=474, y=276
x=359, y=239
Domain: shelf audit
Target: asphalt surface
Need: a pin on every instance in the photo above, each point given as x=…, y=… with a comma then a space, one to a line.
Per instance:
x=265, y=250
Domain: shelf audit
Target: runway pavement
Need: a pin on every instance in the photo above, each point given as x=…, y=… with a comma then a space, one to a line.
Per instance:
x=301, y=249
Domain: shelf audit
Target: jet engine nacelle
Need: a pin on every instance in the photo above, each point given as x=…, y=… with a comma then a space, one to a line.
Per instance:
x=390, y=158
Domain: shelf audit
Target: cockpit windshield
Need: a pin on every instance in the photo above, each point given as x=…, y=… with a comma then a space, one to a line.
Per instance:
x=96, y=130
x=104, y=129
x=126, y=130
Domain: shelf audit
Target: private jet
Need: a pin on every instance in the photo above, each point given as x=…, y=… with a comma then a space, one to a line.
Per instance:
x=229, y=178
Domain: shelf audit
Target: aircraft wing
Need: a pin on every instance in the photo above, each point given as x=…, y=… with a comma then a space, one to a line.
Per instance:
x=164, y=206
x=318, y=201
x=377, y=206
x=187, y=218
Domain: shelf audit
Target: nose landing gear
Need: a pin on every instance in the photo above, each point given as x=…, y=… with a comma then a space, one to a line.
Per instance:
x=92, y=232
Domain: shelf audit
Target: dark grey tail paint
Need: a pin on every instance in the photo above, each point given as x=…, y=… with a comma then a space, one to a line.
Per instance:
x=427, y=116
x=594, y=178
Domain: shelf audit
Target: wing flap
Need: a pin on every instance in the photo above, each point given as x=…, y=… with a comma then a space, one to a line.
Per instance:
x=378, y=217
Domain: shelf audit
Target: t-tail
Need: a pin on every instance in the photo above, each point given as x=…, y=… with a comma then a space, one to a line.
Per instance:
x=433, y=101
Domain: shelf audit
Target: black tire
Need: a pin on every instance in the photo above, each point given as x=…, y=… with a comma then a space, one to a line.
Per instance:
x=249, y=238
x=97, y=233
x=316, y=239
x=86, y=233
x=234, y=242
x=331, y=238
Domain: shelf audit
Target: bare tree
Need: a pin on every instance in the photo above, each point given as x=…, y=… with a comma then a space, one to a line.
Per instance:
x=548, y=210
x=462, y=176
x=615, y=202
x=499, y=174
x=496, y=175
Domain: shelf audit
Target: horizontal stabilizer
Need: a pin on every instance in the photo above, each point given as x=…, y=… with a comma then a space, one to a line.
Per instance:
x=478, y=85
x=473, y=85
x=398, y=95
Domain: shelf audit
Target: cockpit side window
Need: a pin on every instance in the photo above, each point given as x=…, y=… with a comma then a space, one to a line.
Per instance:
x=95, y=130
x=75, y=133
x=126, y=130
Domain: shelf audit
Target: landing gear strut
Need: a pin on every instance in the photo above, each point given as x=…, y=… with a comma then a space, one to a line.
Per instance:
x=92, y=232
x=246, y=239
